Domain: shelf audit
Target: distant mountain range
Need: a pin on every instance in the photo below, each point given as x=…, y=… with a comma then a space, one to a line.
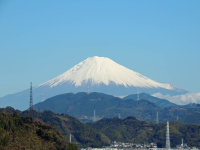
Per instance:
x=82, y=106
x=95, y=74
x=103, y=132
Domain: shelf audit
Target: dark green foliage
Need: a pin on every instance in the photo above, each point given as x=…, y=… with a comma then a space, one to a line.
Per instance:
x=23, y=133
x=81, y=133
x=133, y=130
x=83, y=104
x=96, y=134
x=3, y=137
x=71, y=147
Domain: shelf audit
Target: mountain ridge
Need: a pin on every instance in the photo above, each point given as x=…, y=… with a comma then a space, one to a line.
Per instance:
x=104, y=70
x=158, y=101
x=95, y=74
x=102, y=132
x=82, y=105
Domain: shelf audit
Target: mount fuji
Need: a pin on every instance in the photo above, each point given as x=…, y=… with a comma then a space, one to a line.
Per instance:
x=95, y=74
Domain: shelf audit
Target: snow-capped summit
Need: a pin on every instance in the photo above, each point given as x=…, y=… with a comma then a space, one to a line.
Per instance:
x=95, y=74
x=101, y=70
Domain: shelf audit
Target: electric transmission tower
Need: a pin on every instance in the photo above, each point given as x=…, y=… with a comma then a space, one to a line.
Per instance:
x=88, y=92
x=157, y=119
x=42, y=97
x=138, y=95
x=31, y=102
x=119, y=116
x=167, y=137
x=94, y=117
x=177, y=118
x=70, y=138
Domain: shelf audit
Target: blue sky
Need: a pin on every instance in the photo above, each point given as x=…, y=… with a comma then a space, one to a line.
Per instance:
x=42, y=39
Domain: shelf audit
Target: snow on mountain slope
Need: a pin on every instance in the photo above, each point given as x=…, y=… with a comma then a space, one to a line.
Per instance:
x=102, y=70
x=95, y=74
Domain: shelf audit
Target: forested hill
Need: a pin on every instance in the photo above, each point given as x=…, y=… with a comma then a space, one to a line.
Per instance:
x=102, y=132
x=132, y=130
x=82, y=105
x=22, y=133
x=81, y=134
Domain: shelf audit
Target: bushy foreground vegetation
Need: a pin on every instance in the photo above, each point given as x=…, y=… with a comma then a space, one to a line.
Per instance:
x=81, y=134
x=24, y=133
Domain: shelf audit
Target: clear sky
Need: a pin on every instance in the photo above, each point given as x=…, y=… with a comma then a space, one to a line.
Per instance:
x=41, y=39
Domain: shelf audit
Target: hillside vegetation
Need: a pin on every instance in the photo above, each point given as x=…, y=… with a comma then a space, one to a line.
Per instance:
x=133, y=130
x=103, y=132
x=23, y=133
x=81, y=134
x=82, y=105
